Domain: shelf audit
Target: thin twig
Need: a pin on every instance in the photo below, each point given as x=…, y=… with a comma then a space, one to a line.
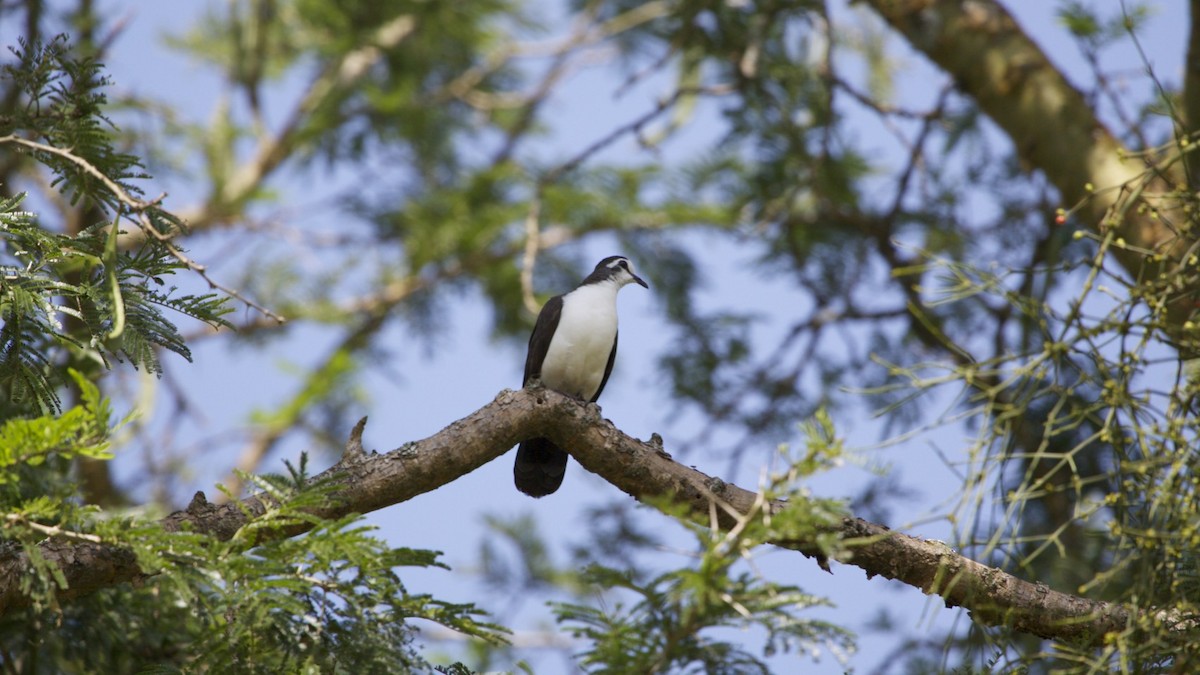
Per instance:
x=139, y=209
x=125, y=198
x=51, y=530
x=634, y=126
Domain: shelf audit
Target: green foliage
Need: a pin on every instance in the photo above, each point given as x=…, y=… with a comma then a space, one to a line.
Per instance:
x=1089, y=459
x=81, y=431
x=328, y=601
x=681, y=620
x=700, y=613
x=433, y=116
x=61, y=101
x=75, y=295
x=52, y=276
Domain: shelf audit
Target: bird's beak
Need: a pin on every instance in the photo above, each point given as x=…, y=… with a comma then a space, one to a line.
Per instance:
x=639, y=280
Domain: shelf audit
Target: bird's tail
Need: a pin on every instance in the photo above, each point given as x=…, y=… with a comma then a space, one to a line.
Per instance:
x=539, y=468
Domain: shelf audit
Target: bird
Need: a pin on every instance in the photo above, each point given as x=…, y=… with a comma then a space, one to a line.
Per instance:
x=572, y=350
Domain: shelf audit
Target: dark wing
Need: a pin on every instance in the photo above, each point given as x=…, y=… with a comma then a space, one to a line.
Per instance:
x=612, y=356
x=540, y=465
x=539, y=339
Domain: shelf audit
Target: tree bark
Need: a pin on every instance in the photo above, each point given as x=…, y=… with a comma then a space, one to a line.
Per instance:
x=363, y=482
x=981, y=47
x=1191, y=92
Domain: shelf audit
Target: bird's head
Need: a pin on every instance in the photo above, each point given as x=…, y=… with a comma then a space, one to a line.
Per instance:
x=615, y=269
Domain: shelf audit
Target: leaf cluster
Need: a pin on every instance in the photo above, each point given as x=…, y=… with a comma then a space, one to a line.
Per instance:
x=67, y=297
x=331, y=600
x=695, y=619
x=79, y=298
x=61, y=98
x=81, y=431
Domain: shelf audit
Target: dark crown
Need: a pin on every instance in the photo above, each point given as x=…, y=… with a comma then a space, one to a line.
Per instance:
x=611, y=267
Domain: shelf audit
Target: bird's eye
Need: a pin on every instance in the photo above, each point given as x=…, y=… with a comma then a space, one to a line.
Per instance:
x=625, y=264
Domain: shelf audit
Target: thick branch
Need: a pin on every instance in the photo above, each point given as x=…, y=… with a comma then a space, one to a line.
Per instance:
x=1055, y=131
x=1191, y=91
x=363, y=483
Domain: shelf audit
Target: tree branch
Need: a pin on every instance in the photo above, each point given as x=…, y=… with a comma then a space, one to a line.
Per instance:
x=1191, y=90
x=1054, y=130
x=363, y=482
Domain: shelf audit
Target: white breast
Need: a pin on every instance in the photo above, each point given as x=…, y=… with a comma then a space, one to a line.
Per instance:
x=579, y=350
